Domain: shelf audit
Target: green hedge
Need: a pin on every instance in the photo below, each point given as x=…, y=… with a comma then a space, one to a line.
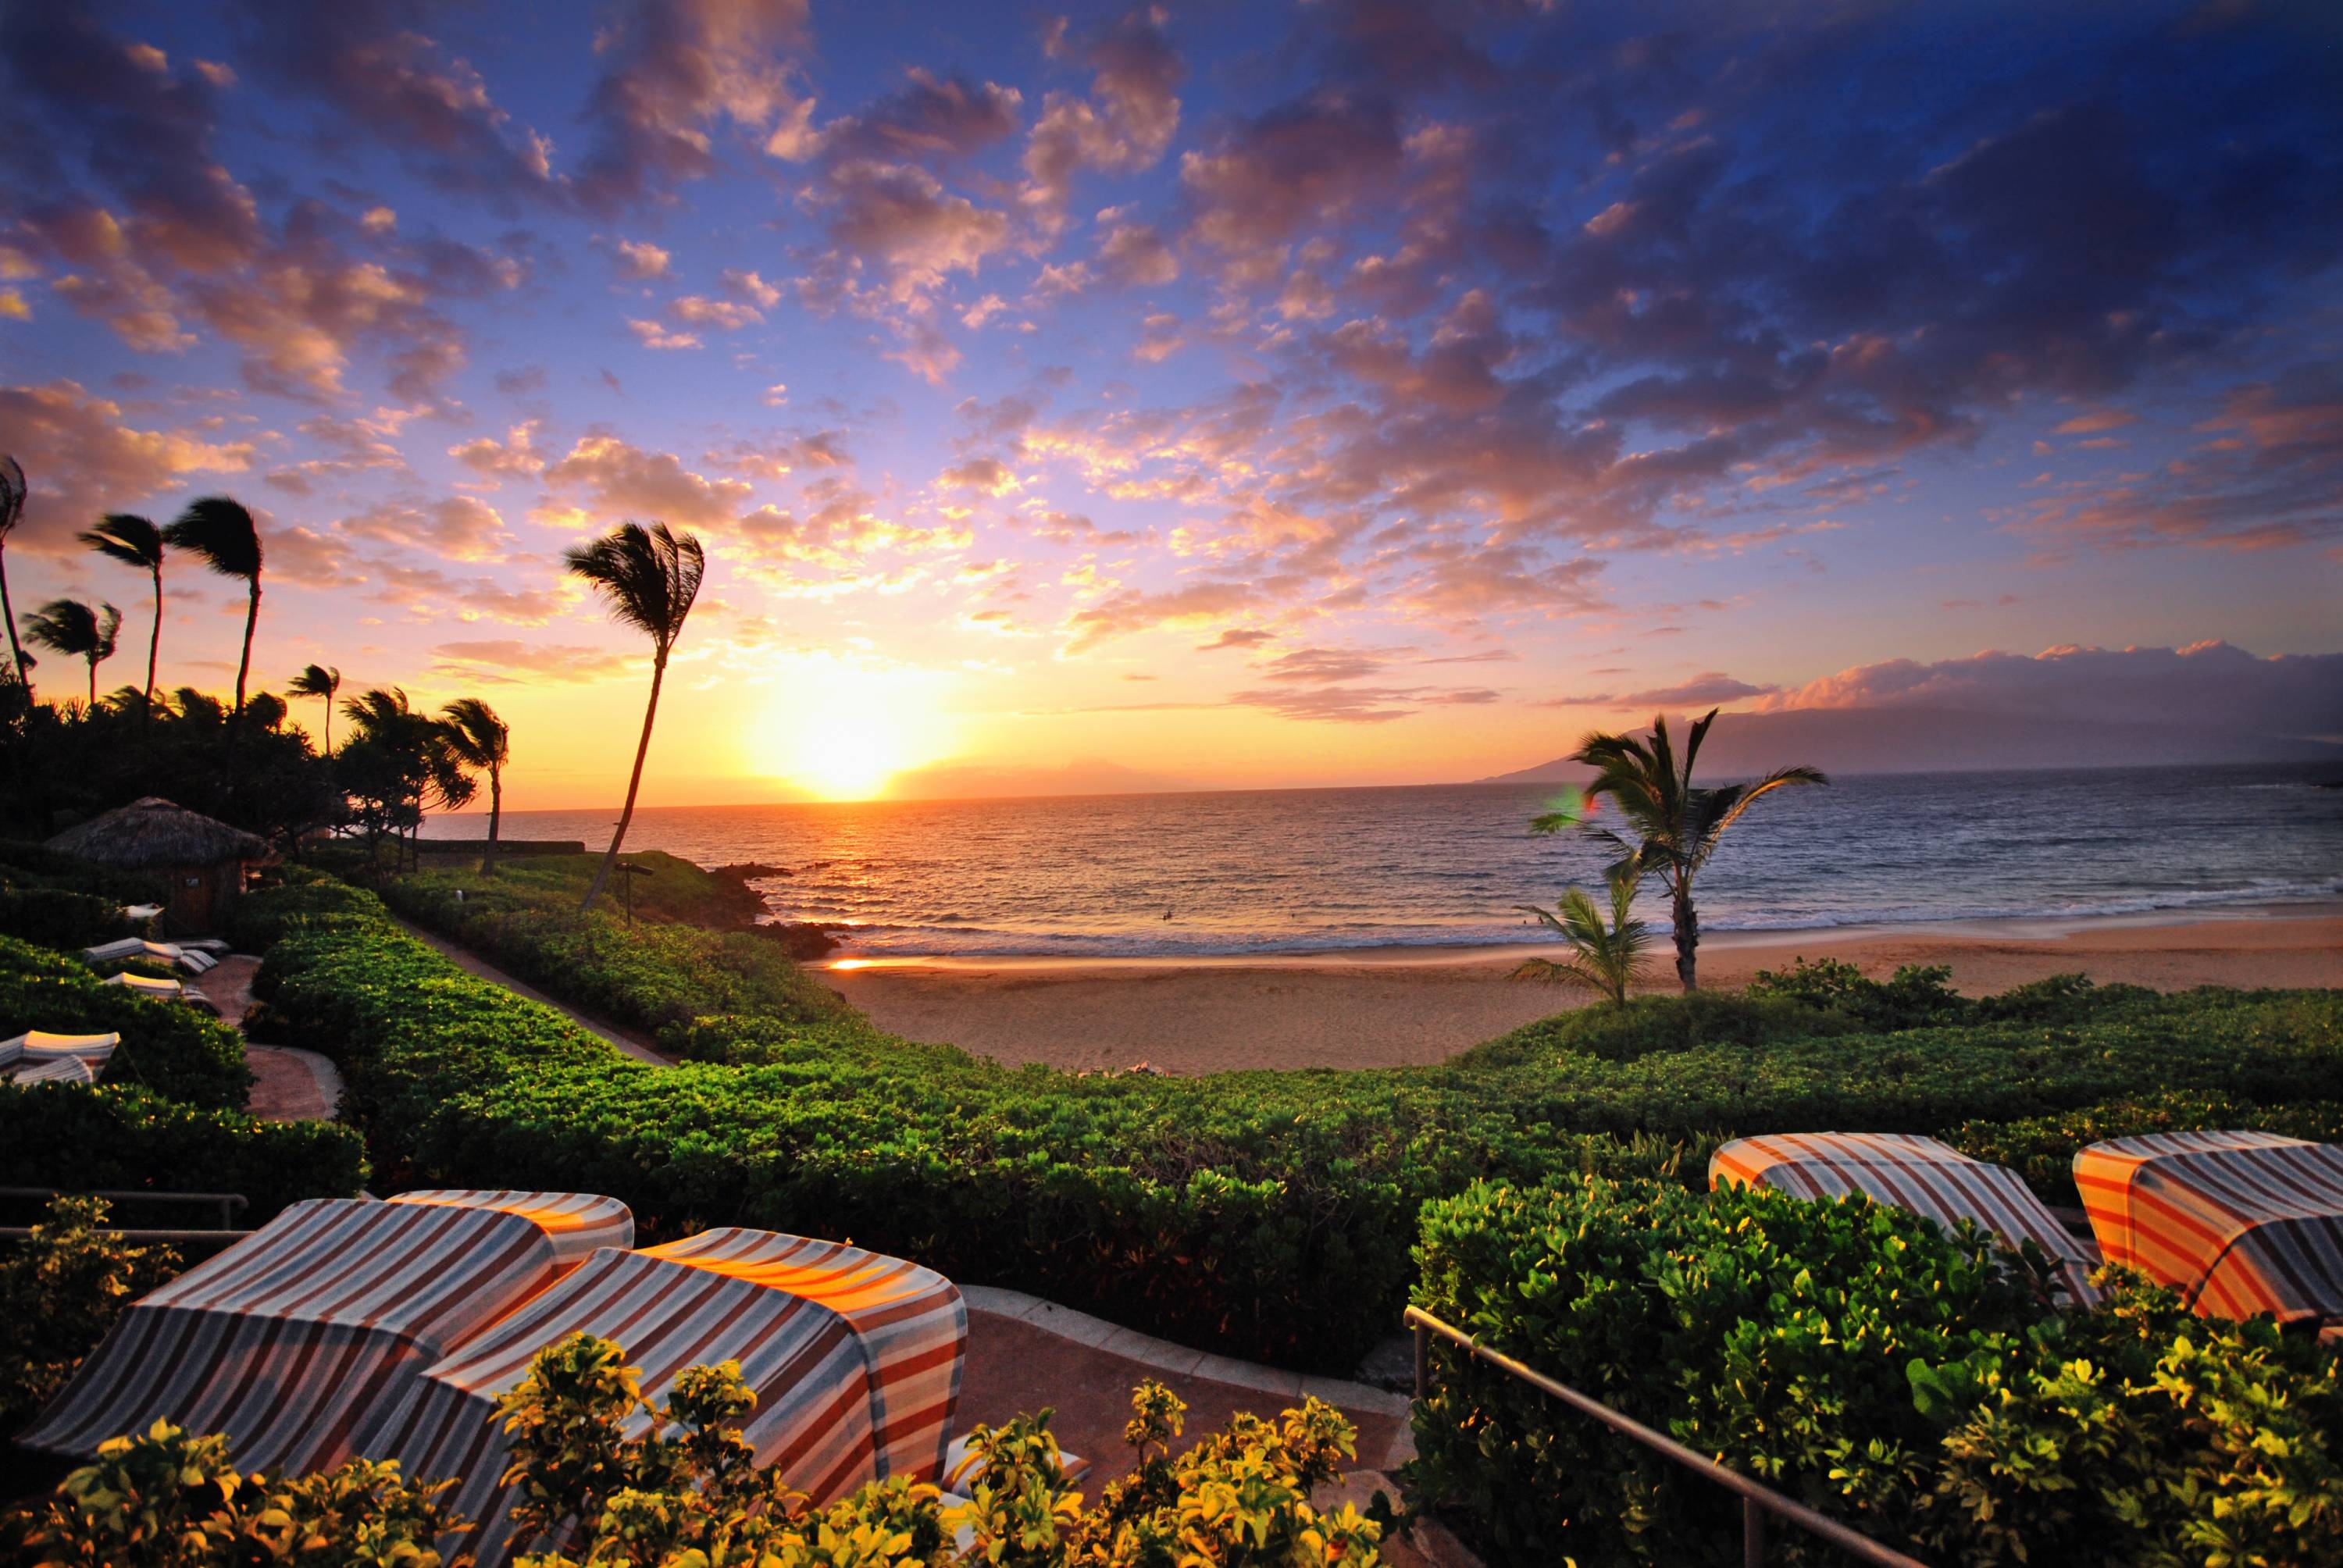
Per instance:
x=2042, y=1149
x=169, y=1047
x=656, y=976
x=1267, y=1213
x=1869, y=1365
x=114, y=1138
x=58, y=918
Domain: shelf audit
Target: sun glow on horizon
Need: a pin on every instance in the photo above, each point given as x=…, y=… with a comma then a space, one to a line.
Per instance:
x=841, y=732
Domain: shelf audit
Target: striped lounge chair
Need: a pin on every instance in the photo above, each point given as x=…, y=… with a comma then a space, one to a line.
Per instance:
x=291, y=1338
x=62, y=1070
x=133, y=948
x=855, y=1359
x=1914, y=1173
x=2239, y=1222
x=37, y=1049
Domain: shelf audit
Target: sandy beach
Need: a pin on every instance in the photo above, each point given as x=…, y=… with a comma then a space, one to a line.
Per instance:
x=1395, y=1007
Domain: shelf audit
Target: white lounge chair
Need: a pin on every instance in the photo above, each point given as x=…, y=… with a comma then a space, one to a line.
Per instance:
x=216, y=947
x=148, y=985
x=122, y=948
x=141, y=911
x=195, y=961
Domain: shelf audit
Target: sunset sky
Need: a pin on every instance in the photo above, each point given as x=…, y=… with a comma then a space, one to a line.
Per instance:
x=1226, y=394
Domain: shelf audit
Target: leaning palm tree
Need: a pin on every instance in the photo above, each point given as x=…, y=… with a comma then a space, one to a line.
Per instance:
x=648, y=579
x=317, y=680
x=1604, y=955
x=222, y=533
x=134, y=541
x=1676, y=826
x=483, y=743
x=69, y=626
x=12, y=512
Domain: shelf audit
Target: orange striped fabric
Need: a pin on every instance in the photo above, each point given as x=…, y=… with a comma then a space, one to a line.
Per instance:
x=2239, y=1222
x=288, y=1340
x=855, y=1360
x=575, y=1222
x=1919, y=1174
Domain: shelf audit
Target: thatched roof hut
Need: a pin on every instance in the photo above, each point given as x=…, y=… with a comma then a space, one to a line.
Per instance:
x=152, y=834
x=203, y=859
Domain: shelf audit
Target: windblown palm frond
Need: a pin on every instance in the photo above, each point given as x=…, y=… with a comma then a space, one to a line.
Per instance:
x=648, y=579
x=1672, y=826
x=12, y=512
x=378, y=712
x=317, y=681
x=69, y=626
x=1606, y=956
x=221, y=534
x=483, y=741
x=135, y=541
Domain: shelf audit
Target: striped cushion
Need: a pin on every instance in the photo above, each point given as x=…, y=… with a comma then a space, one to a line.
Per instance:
x=1918, y=1174
x=285, y=1341
x=147, y=985
x=854, y=1358
x=58, y=1070
x=575, y=1222
x=2240, y=1222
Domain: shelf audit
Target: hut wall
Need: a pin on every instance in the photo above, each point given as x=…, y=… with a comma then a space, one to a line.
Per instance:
x=202, y=897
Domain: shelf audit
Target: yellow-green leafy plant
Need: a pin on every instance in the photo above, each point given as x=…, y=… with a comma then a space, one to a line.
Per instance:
x=60, y=1291
x=171, y=1500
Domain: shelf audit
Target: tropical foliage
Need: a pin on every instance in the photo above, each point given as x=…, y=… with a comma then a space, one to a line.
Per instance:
x=1870, y=1366
x=1605, y=955
x=135, y=541
x=60, y=1290
x=1674, y=826
x=221, y=534
x=317, y=680
x=683, y=1490
x=481, y=742
x=1265, y=1214
x=71, y=628
x=649, y=579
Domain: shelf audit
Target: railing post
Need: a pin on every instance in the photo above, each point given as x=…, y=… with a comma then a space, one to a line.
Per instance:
x=1423, y=1362
x=1753, y=1533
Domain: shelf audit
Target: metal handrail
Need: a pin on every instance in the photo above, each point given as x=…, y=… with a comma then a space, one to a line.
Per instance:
x=230, y=1203
x=1757, y=1500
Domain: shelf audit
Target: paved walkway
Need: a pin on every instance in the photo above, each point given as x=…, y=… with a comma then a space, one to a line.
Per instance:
x=288, y=1084
x=635, y=1045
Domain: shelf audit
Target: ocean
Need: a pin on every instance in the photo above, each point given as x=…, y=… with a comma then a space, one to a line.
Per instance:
x=1314, y=870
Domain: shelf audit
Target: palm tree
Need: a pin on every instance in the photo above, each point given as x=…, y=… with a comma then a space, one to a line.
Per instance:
x=1677, y=825
x=481, y=740
x=12, y=512
x=1605, y=956
x=69, y=626
x=400, y=763
x=134, y=541
x=223, y=534
x=648, y=579
x=317, y=680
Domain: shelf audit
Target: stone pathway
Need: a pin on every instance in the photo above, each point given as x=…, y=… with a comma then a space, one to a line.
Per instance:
x=288, y=1084
x=635, y=1045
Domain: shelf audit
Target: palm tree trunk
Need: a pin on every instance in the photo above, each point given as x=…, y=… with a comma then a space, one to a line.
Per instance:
x=642, y=749
x=1688, y=924
x=496, y=814
x=92, y=685
x=153, y=646
x=244, y=666
x=8, y=613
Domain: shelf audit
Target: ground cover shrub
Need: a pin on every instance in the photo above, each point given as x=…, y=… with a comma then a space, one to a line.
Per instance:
x=2042, y=1149
x=681, y=1489
x=61, y=919
x=169, y=1047
x=1265, y=1214
x=655, y=974
x=30, y=865
x=118, y=1138
x=1648, y=1025
x=1871, y=1365
x=303, y=898
x=60, y=1290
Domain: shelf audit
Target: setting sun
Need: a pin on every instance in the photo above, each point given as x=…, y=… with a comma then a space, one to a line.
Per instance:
x=842, y=733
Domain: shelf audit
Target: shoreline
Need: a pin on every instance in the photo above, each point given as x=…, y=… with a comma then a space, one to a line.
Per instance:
x=1417, y=1007
x=1986, y=928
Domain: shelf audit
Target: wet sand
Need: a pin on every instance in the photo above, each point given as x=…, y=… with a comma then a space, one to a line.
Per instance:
x=1387, y=1008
